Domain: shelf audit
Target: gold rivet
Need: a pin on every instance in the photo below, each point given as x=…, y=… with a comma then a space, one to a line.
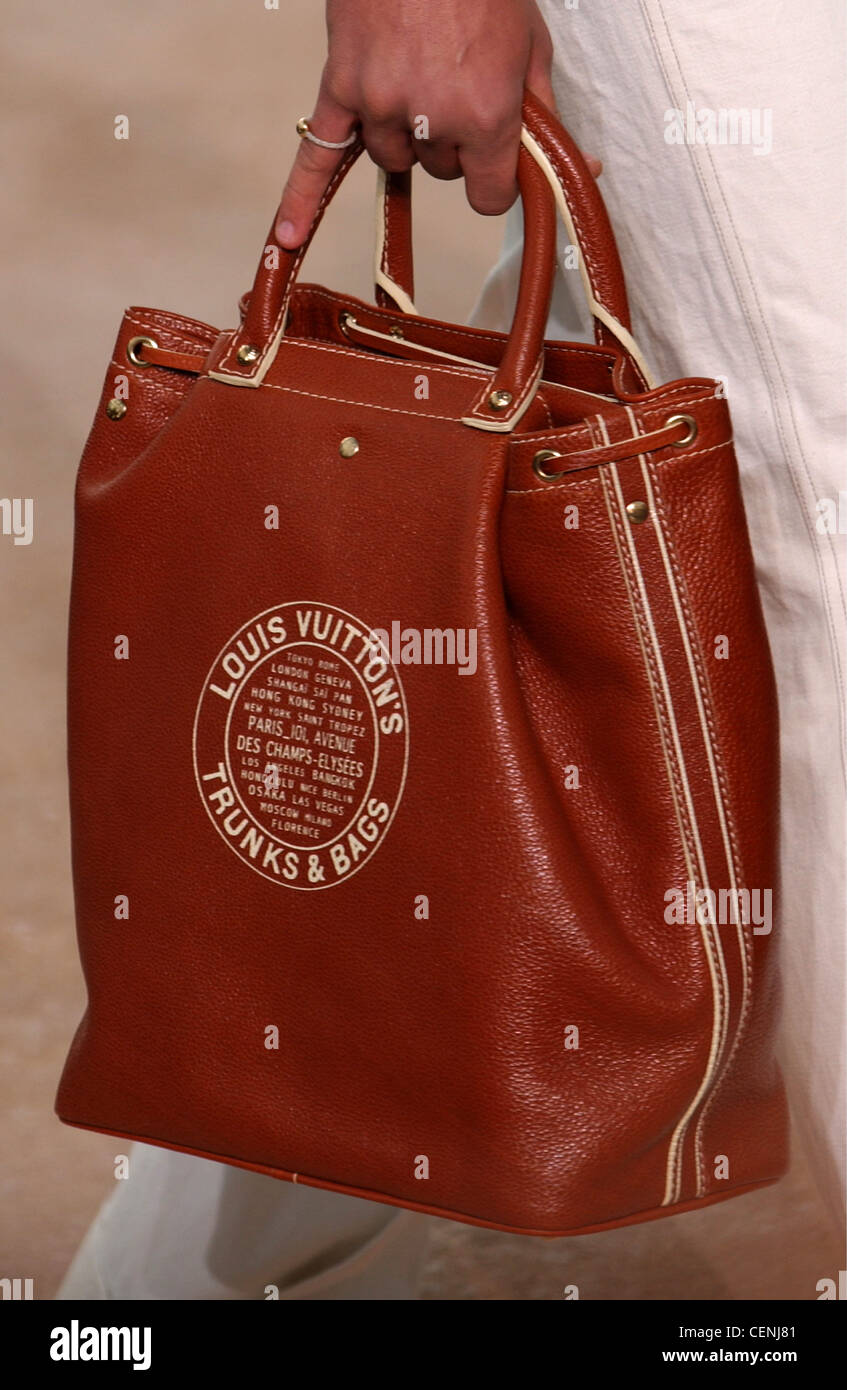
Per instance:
x=116, y=410
x=499, y=400
x=302, y=126
x=247, y=353
x=348, y=447
x=637, y=511
x=396, y=332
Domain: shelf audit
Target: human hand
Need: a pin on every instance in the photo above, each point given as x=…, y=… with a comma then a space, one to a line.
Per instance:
x=450, y=71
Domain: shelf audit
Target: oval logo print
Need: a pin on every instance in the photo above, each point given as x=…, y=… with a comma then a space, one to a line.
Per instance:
x=301, y=744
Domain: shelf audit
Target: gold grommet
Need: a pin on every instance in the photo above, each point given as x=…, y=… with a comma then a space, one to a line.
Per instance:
x=247, y=353
x=683, y=420
x=116, y=409
x=499, y=400
x=543, y=456
x=637, y=511
x=348, y=447
x=132, y=350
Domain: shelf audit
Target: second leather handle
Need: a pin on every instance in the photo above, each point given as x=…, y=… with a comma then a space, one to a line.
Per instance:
x=597, y=245
x=395, y=260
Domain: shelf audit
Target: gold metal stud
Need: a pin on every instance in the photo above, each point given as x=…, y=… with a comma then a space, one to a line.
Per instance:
x=302, y=126
x=637, y=511
x=116, y=409
x=683, y=420
x=543, y=456
x=247, y=353
x=499, y=400
x=396, y=332
x=133, y=346
x=348, y=447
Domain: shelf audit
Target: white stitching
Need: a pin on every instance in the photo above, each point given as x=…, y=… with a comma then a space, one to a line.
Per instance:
x=714, y=952
x=386, y=231
x=648, y=414
x=360, y=354
x=173, y=321
x=295, y=269
x=155, y=386
x=596, y=355
x=583, y=240
x=732, y=849
x=225, y=365
x=545, y=407
x=477, y=410
x=684, y=826
x=174, y=344
x=558, y=487
x=361, y=405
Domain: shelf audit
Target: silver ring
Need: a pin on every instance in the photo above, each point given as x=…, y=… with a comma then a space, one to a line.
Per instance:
x=305, y=132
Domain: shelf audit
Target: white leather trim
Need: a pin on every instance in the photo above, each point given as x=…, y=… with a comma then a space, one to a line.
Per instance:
x=265, y=364
x=709, y=932
x=420, y=347
x=598, y=310
x=508, y=424
x=720, y=806
x=236, y=380
x=654, y=693
x=400, y=297
x=398, y=294
x=405, y=304
x=467, y=361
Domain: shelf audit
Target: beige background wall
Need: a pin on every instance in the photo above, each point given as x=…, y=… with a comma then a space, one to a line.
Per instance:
x=175, y=217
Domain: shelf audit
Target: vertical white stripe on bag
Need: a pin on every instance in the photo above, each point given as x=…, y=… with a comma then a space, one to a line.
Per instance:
x=712, y=757
x=708, y=932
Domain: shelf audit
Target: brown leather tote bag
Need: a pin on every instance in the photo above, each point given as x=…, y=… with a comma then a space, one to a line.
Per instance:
x=423, y=750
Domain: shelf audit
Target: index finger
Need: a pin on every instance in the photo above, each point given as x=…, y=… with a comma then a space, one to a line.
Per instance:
x=311, y=174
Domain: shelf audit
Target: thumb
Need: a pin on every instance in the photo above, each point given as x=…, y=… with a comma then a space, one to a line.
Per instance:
x=311, y=173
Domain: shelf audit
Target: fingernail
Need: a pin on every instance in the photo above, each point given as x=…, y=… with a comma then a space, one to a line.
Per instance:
x=285, y=232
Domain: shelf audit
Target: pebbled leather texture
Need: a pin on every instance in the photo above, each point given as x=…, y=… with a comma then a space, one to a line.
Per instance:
x=453, y=909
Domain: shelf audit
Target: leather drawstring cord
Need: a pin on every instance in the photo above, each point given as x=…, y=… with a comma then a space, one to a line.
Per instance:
x=678, y=431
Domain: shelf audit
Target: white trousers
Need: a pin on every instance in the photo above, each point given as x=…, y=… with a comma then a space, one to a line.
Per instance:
x=184, y=1228
x=734, y=260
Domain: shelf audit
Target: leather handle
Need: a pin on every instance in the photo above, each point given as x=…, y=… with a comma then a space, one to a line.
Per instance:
x=545, y=150
x=394, y=265
x=507, y=394
x=584, y=213
x=505, y=397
